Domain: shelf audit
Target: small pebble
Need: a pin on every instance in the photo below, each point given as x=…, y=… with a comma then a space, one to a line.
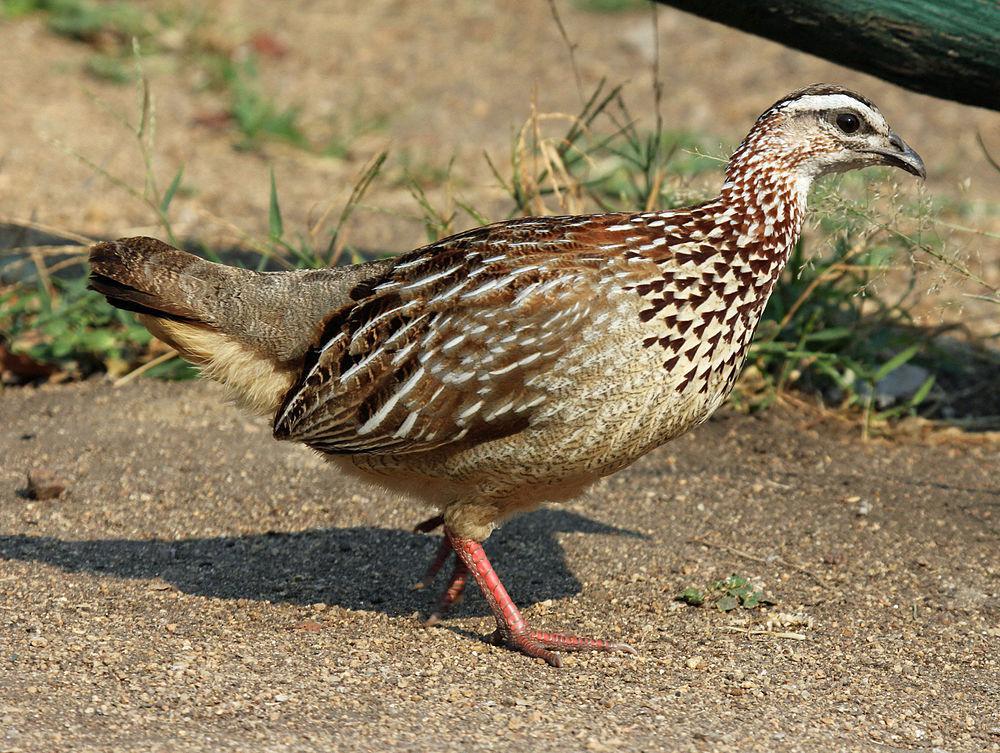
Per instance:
x=44, y=484
x=310, y=626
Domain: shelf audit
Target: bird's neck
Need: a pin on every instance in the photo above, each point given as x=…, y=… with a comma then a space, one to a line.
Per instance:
x=765, y=192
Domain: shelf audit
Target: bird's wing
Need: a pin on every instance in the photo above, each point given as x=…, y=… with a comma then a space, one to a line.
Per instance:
x=444, y=347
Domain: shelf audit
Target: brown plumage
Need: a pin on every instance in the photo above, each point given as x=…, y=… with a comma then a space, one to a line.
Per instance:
x=514, y=363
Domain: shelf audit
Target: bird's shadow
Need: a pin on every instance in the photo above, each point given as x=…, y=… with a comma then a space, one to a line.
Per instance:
x=362, y=568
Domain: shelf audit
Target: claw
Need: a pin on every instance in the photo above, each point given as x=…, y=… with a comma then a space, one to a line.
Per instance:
x=526, y=644
x=542, y=645
x=512, y=631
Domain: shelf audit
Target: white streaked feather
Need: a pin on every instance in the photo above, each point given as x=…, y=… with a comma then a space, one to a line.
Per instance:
x=364, y=362
x=424, y=281
x=453, y=343
x=375, y=421
x=470, y=411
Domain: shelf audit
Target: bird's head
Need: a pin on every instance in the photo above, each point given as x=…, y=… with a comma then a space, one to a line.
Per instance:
x=823, y=129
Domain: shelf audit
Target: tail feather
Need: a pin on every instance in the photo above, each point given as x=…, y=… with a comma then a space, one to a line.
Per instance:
x=138, y=301
x=249, y=330
x=144, y=275
x=183, y=300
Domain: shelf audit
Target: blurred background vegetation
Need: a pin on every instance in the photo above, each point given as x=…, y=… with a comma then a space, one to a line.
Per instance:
x=872, y=316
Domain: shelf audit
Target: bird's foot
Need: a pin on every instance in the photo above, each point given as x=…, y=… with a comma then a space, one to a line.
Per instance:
x=512, y=630
x=542, y=645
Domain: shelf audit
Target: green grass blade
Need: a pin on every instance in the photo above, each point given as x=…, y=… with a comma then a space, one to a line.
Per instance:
x=276, y=227
x=171, y=190
x=474, y=213
x=825, y=335
x=895, y=362
x=921, y=394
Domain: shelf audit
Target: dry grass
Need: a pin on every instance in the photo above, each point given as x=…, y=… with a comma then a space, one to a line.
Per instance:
x=834, y=328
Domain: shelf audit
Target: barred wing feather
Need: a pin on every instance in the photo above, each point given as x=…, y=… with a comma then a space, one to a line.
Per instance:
x=445, y=347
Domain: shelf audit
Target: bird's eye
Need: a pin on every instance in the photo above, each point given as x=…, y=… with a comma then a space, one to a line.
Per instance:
x=848, y=122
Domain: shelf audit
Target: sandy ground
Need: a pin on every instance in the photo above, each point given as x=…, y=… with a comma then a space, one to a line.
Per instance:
x=201, y=587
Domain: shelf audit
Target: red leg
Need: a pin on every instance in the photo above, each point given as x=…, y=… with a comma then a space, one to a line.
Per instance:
x=453, y=593
x=459, y=575
x=512, y=631
x=443, y=553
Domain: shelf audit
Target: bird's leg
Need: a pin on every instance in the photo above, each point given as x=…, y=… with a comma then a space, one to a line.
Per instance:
x=443, y=553
x=456, y=584
x=452, y=594
x=512, y=631
x=459, y=575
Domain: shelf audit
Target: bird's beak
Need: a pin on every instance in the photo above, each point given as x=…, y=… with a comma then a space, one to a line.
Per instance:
x=899, y=154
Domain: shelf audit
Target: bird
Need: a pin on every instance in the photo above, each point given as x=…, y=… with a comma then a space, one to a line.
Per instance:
x=516, y=363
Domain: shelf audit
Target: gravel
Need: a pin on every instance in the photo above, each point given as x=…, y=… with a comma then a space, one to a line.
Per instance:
x=200, y=587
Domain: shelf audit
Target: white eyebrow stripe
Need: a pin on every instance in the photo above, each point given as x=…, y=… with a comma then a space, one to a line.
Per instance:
x=814, y=102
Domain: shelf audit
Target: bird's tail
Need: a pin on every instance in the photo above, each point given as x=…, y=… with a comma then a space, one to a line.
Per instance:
x=149, y=277
x=247, y=329
x=184, y=301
